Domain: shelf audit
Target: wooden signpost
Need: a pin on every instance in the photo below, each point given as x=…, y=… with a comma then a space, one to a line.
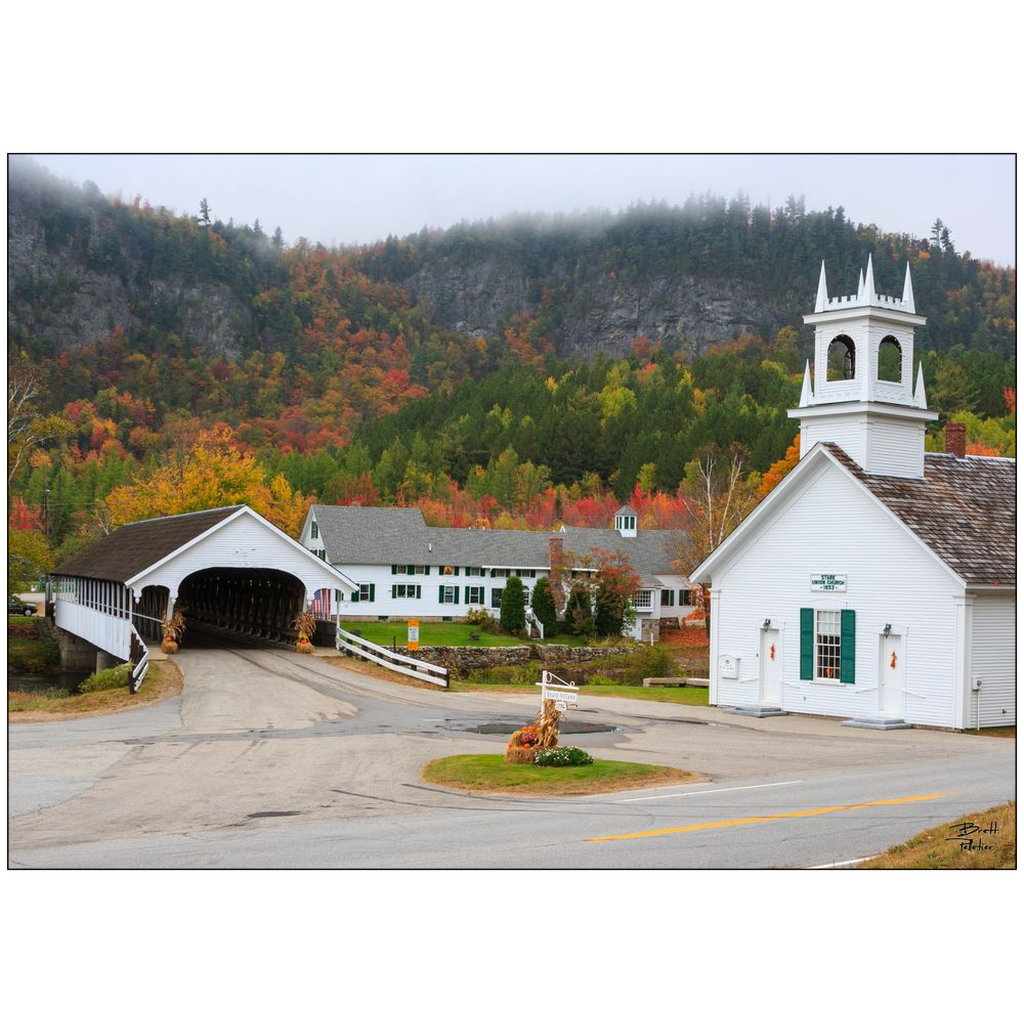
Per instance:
x=561, y=692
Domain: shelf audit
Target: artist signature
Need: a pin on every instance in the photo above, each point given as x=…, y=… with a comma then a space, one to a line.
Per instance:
x=969, y=835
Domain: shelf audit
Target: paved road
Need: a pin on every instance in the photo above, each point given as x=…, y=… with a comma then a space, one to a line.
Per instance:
x=273, y=759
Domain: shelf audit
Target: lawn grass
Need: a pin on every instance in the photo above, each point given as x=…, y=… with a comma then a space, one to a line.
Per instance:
x=445, y=634
x=941, y=846
x=694, y=696
x=162, y=680
x=1008, y=732
x=489, y=773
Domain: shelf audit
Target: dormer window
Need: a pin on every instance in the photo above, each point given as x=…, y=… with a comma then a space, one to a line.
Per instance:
x=314, y=530
x=625, y=522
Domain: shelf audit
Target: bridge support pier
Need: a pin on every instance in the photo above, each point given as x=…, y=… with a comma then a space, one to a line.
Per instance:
x=104, y=660
x=76, y=654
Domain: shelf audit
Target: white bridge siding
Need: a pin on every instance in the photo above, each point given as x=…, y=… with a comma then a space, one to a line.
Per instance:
x=993, y=656
x=107, y=632
x=891, y=578
x=244, y=542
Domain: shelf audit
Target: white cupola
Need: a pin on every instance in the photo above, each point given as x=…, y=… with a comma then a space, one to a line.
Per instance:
x=625, y=521
x=862, y=396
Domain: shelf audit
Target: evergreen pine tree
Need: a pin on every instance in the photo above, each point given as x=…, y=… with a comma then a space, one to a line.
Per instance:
x=544, y=607
x=578, y=611
x=513, y=607
x=610, y=612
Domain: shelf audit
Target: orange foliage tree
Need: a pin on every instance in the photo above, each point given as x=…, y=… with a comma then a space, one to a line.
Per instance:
x=777, y=470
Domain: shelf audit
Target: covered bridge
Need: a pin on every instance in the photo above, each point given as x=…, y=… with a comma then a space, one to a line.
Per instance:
x=227, y=568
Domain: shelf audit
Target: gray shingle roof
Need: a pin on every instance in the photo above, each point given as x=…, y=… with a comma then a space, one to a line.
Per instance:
x=650, y=552
x=355, y=535
x=965, y=510
x=126, y=552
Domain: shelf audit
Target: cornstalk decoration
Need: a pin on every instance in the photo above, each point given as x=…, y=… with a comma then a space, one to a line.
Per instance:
x=306, y=626
x=174, y=629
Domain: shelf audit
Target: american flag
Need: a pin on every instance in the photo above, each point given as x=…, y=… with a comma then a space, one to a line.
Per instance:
x=322, y=604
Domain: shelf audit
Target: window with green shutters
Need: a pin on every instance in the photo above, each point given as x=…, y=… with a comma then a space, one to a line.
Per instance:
x=496, y=593
x=448, y=595
x=366, y=592
x=668, y=598
x=828, y=645
x=474, y=595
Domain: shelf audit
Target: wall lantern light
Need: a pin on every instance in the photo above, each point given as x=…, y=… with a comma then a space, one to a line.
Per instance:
x=767, y=624
x=887, y=630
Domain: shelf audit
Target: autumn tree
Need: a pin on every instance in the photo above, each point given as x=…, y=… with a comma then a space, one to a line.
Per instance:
x=777, y=470
x=719, y=497
x=28, y=558
x=27, y=430
x=212, y=473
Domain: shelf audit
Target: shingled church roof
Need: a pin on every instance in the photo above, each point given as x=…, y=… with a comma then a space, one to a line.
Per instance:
x=964, y=509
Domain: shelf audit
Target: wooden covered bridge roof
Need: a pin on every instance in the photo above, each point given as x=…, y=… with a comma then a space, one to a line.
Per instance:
x=123, y=554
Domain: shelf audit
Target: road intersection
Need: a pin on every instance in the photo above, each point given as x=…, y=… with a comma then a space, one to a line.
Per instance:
x=274, y=759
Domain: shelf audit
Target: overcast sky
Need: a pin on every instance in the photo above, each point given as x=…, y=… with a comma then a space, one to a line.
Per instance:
x=358, y=199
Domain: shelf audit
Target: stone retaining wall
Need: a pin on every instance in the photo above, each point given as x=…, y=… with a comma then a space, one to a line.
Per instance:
x=468, y=659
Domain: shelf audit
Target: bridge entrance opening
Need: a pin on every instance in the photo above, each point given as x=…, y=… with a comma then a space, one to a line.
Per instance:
x=260, y=604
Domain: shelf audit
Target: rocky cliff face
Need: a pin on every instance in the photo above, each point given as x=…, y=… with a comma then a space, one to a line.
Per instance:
x=55, y=295
x=593, y=310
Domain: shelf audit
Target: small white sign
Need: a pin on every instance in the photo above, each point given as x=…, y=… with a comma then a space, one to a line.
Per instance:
x=828, y=581
x=728, y=667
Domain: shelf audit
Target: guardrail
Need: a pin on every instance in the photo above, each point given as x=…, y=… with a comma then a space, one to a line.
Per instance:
x=389, y=659
x=139, y=659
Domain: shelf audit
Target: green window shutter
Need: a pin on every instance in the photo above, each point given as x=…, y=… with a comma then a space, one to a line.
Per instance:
x=394, y=570
x=456, y=594
x=806, y=643
x=355, y=596
x=440, y=594
x=466, y=595
x=373, y=591
x=682, y=597
x=393, y=588
x=426, y=570
x=847, y=645
x=419, y=591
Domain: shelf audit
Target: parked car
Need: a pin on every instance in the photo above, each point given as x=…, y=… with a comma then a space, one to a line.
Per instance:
x=15, y=606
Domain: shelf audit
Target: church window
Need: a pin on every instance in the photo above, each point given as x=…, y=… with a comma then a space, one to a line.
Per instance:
x=841, y=358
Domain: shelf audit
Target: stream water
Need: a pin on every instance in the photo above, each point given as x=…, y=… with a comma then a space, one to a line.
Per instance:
x=70, y=681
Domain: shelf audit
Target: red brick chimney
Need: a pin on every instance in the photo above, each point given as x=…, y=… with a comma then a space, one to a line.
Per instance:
x=555, y=571
x=956, y=440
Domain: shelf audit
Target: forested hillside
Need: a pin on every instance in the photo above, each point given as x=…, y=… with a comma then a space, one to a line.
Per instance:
x=519, y=373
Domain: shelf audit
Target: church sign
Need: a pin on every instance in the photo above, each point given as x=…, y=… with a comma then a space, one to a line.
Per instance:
x=828, y=581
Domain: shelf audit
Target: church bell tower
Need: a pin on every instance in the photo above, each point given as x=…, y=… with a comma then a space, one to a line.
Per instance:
x=862, y=396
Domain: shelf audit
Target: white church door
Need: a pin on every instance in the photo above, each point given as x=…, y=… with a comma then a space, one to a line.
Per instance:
x=891, y=673
x=771, y=667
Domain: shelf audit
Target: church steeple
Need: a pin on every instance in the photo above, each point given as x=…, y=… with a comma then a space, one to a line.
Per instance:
x=861, y=394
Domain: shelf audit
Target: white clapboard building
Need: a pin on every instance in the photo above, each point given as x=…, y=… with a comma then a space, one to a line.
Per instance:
x=404, y=568
x=876, y=582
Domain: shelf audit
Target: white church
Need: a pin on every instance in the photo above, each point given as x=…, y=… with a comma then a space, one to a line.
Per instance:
x=876, y=582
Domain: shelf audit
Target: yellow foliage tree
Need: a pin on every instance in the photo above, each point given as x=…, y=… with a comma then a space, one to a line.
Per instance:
x=211, y=473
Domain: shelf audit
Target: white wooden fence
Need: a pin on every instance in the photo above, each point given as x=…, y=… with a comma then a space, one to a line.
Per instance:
x=361, y=648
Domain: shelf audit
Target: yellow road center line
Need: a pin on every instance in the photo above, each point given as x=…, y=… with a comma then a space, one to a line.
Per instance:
x=769, y=817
